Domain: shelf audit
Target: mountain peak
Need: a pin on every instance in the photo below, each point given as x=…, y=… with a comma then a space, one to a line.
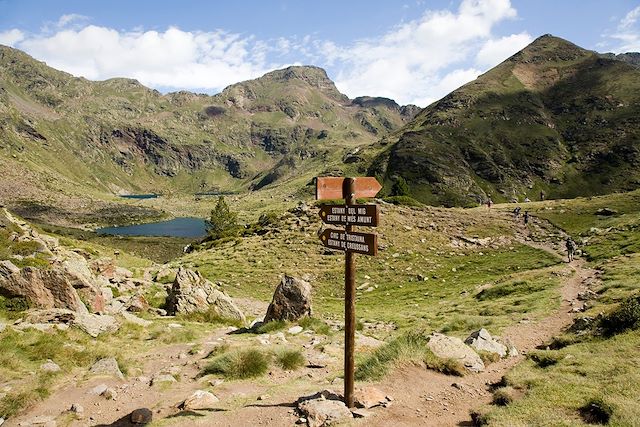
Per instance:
x=549, y=49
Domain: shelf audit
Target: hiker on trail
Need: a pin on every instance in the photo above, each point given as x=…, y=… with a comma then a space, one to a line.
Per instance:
x=526, y=217
x=571, y=248
x=542, y=195
x=489, y=203
x=516, y=212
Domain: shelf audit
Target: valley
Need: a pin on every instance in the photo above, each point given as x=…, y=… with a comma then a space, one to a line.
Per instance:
x=115, y=311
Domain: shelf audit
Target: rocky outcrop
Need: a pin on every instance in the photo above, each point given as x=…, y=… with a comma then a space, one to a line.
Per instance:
x=40, y=288
x=199, y=400
x=92, y=324
x=193, y=293
x=453, y=348
x=291, y=300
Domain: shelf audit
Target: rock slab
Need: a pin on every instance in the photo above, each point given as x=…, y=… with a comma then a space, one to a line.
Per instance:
x=200, y=399
x=447, y=347
x=108, y=367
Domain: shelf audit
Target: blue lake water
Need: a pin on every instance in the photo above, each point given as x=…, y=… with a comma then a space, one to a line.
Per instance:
x=140, y=196
x=178, y=227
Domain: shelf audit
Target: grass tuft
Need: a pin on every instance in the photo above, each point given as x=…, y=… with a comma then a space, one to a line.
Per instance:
x=625, y=316
x=241, y=364
x=290, y=360
x=316, y=325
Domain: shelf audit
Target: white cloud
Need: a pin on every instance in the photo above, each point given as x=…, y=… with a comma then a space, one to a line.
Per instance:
x=416, y=62
x=170, y=59
x=11, y=37
x=626, y=37
x=495, y=51
x=68, y=19
x=410, y=62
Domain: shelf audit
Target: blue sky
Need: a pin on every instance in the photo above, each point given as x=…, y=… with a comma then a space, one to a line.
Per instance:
x=411, y=51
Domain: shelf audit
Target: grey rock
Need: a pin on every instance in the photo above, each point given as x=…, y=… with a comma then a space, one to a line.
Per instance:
x=3, y=326
x=132, y=318
x=162, y=378
x=50, y=366
x=447, y=347
x=291, y=300
x=99, y=389
x=482, y=340
x=200, y=399
x=192, y=293
x=106, y=367
x=95, y=324
x=294, y=330
x=324, y=411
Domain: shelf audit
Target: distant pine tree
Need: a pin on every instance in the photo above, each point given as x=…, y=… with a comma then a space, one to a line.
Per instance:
x=222, y=223
x=400, y=187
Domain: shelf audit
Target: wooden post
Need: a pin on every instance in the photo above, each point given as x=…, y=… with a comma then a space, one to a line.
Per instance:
x=348, y=190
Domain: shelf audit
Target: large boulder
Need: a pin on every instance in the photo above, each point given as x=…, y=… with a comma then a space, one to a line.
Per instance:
x=50, y=288
x=447, y=347
x=193, y=293
x=291, y=300
x=482, y=340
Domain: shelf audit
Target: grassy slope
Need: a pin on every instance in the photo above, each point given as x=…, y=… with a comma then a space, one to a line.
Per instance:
x=553, y=117
x=595, y=368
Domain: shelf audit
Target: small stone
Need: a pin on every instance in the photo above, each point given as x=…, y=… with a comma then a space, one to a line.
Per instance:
x=295, y=330
x=263, y=397
x=110, y=394
x=50, y=366
x=216, y=382
x=162, y=378
x=200, y=399
x=361, y=413
x=77, y=408
x=99, y=389
x=301, y=420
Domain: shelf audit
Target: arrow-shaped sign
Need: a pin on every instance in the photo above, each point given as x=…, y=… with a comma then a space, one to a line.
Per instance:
x=330, y=187
x=367, y=215
x=360, y=243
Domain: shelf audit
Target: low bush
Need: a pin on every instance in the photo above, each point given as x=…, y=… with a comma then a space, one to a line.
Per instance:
x=241, y=364
x=625, y=316
x=596, y=411
x=290, y=360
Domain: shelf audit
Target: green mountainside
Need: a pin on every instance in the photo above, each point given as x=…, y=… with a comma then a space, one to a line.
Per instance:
x=70, y=136
x=553, y=118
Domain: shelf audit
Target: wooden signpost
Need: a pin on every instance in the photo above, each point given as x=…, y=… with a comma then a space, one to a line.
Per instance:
x=350, y=214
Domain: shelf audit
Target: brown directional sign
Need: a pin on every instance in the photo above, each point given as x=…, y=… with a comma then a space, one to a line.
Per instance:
x=359, y=243
x=330, y=187
x=367, y=215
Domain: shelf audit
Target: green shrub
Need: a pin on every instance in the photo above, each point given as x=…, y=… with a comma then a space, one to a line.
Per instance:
x=15, y=304
x=25, y=248
x=316, y=325
x=408, y=348
x=625, y=316
x=402, y=200
x=596, y=411
x=545, y=358
x=503, y=396
x=400, y=187
x=249, y=363
x=274, y=325
x=209, y=316
x=290, y=360
x=445, y=366
x=488, y=357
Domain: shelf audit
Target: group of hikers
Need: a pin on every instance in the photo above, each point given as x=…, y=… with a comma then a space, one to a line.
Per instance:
x=570, y=244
